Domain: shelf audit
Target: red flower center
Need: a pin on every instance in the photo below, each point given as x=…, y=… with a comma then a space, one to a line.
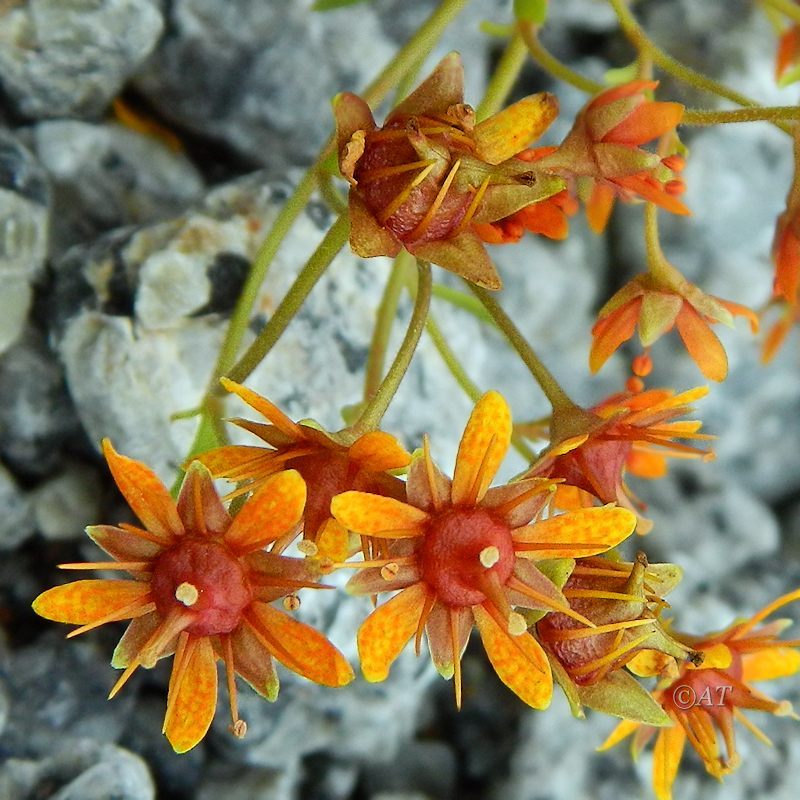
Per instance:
x=206, y=578
x=461, y=549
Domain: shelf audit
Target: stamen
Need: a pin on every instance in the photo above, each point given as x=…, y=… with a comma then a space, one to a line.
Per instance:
x=132, y=611
x=473, y=206
x=238, y=726
x=389, y=571
x=401, y=198
x=611, y=657
x=308, y=547
x=520, y=586
x=436, y=204
x=582, y=633
x=767, y=610
x=187, y=594
x=456, y=656
x=601, y=594
x=126, y=566
x=368, y=175
x=291, y=602
x=430, y=471
x=752, y=727
x=505, y=508
x=427, y=607
x=489, y=556
x=479, y=482
x=199, y=514
x=531, y=546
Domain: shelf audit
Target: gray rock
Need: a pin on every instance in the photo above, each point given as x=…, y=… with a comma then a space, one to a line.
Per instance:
x=16, y=514
x=65, y=504
x=24, y=201
x=70, y=59
x=105, y=176
x=37, y=417
x=242, y=783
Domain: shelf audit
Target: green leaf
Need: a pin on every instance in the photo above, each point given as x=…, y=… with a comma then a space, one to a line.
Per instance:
x=531, y=11
x=330, y=5
x=621, y=695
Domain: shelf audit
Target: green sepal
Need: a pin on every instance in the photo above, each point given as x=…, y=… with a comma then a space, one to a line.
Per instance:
x=534, y=11
x=621, y=695
x=568, y=686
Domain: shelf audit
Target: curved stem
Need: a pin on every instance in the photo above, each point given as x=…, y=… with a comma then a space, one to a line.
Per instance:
x=335, y=239
x=697, y=116
x=643, y=43
x=387, y=310
x=503, y=78
x=376, y=408
x=558, y=398
x=558, y=69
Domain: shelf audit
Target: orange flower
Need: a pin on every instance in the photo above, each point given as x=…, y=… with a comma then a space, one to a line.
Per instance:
x=787, y=60
x=548, y=217
x=201, y=588
x=327, y=462
x=463, y=554
x=635, y=433
x=657, y=303
x=602, y=159
x=430, y=171
x=623, y=600
x=703, y=700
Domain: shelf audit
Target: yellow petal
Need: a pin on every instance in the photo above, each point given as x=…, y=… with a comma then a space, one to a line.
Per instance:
x=620, y=732
x=717, y=656
x=519, y=661
x=387, y=630
x=193, y=697
x=146, y=495
x=770, y=663
x=333, y=541
x=483, y=447
x=666, y=760
x=379, y=451
x=376, y=515
x=270, y=513
x=576, y=534
x=299, y=647
x=649, y=663
x=511, y=130
x=265, y=408
x=82, y=602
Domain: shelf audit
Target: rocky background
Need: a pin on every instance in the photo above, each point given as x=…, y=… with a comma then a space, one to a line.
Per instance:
x=121, y=256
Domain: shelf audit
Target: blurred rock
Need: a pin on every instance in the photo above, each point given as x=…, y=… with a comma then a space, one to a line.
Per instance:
x=16, y=514
x=105, y=176
x=24, y=202
x=36, y=414
x=62, y=59
x=65, y=504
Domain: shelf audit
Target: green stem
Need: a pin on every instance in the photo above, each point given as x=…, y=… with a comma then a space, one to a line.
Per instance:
x=333, y=198
x=787, y=7
x=558, y=69
x=373, y=413
x=643, y=43
x=335, y=239
x=657, y=265
x=558, y=398
x=503, y=78
x=696, y=116
x=387, y=310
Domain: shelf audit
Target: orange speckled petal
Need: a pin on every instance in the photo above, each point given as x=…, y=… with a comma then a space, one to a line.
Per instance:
x=702, y=343
x=646, y=122
x=265, y=408
x=193, y=699
x=666, y=760
x=649, y=663
x=146, y=495
x=86, y=601
x=199, y=506
x=620, y=732
x=599, y=207
x=379, y=451
x=299, y=647
x=235, y=459
x=270, y=513
x=770, y=664
x=483, y=447
x=506, y=133
x=646, y=464
x=387, y=630
x=576, y=534
x=376, y=515
x=519, y=661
